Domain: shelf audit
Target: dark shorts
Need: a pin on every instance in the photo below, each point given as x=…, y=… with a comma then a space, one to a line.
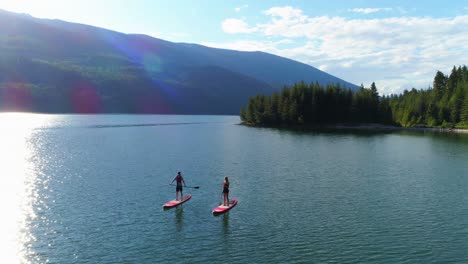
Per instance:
x=178, y=188
x=225, y=190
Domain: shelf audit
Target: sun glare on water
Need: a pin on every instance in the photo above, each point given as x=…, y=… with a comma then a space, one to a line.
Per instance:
x=17, y=178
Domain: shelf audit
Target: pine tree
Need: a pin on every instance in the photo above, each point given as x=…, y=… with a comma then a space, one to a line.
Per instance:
x=242, y=115
x=293, y=113
x=452, y=80
x=249, y=113
x=440, y=81
x=274, y=106
x=464, y=108
x=374, y=92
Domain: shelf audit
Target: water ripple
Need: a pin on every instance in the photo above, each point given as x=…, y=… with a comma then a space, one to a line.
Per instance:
x=95, y=195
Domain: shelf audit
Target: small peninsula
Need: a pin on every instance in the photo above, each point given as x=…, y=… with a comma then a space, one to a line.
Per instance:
x=444, y=106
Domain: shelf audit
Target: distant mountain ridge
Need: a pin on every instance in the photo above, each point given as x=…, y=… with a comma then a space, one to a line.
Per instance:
x=56, y=66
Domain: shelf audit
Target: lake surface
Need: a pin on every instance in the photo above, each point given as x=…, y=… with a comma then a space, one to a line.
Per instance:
x=90, y=189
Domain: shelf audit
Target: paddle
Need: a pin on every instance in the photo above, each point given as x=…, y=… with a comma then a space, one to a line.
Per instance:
x=194, y=187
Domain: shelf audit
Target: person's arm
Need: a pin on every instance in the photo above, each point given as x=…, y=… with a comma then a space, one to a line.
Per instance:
x=184, y=181
x=173, y=179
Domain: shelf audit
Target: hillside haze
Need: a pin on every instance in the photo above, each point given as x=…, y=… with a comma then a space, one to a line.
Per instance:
x=56, y=66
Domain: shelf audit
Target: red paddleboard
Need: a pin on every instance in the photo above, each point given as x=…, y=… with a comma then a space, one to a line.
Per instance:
x=221, y=209
x=175, y=203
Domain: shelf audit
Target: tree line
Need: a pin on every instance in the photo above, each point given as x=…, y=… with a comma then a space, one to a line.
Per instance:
x=444, y=105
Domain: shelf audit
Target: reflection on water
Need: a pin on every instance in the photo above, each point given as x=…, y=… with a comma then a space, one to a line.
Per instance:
x=17, y=183
x=226, y=223
x=179, y=218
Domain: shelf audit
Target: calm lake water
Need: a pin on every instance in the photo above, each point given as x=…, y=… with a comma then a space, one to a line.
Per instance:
x=90, y=189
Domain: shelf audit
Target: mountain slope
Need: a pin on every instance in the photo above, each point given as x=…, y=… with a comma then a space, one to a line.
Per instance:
x=56, y=66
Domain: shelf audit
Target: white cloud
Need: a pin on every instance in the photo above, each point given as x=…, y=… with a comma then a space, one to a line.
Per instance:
x=249, y=45
x=177, y=35
x=286, y=12
x=323, y=67
x=369, y=10
x=388, y=51
x=401, y=10
x=172, y=36
x=239, y=8
x=233, y=26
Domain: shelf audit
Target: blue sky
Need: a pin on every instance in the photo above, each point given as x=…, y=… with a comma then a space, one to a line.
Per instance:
x=398, y=44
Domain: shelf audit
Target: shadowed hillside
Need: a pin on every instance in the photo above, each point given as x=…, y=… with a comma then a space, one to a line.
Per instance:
x=56, y=66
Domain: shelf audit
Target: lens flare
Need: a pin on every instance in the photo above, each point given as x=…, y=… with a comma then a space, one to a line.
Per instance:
x=85, y=99
x=16, y=96
x=146, y=53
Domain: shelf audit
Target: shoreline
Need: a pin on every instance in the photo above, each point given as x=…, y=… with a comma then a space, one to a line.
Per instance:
x=396, y=128
x=371, y=127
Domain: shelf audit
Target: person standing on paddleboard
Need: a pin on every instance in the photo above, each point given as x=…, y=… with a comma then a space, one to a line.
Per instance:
x=226, y=191
x=179, y=180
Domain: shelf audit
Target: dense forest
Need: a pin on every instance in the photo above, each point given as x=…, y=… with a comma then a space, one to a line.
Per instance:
x=443, y=105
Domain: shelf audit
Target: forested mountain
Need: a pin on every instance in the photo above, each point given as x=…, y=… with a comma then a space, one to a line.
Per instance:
x=445, y=105
x=56, y=66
